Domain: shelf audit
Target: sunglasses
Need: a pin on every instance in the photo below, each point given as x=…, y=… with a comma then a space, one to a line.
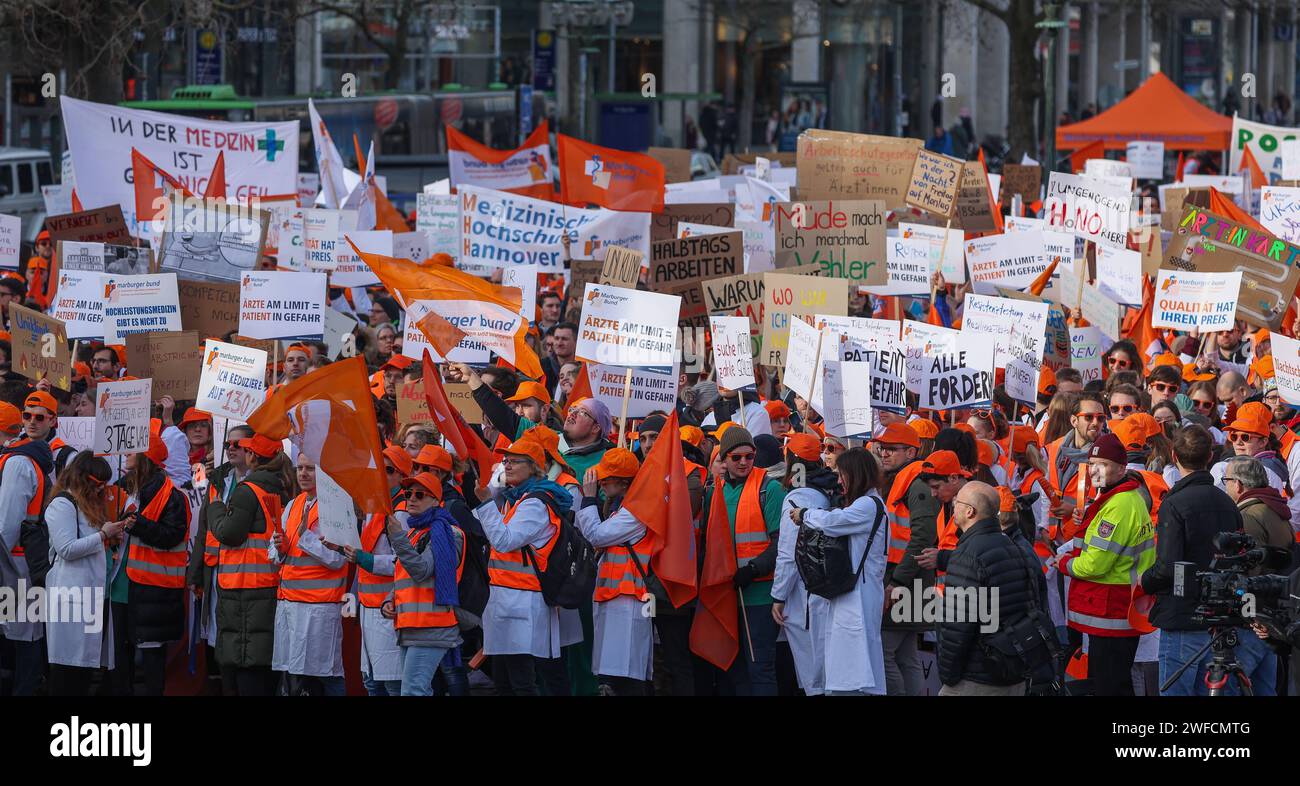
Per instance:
x=390, y=470
x=1164, y=387
x=234, y=445
x=740, y=457
x=419, y=495
x=1121, y=362
x=1241, y=437
x=1091, y=417
x=1199, y=404
x=1117, y=409
x=35, y=416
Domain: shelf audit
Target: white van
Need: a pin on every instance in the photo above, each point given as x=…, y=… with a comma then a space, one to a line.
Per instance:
x=23, y=171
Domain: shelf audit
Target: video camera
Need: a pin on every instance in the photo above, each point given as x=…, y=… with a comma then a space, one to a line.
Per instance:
x=1227, y=597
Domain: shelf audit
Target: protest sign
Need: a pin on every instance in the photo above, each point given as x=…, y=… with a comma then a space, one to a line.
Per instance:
x=865, y=332
x=806, y=350
x=139, y=304
x=524, y=278
x=1101, y=311
x=412, y=406
x=1085, y=352
x=740, y=296
x=460, y=397
x=936, y=179
x=622, y=267
x=1105, y=168
x=994, y=316
x=581, y=273
x=171, y=360
x=1279, y=211
x=1173, y=201
x=78, y=433
x=413, y=246
x=79, y=303
x=686, y=229
x=908, y=261
x=487, y=326
x=959, y=379
x=57, y=199
x=664, y=225
x=840, y=165
x=733, y=359
x=732, y=163
x=677, y=267
x=696, y=193
x=847, y=410
x=651, y=389
x=845, y=237
x=349, y=269
x=1056, y=349
x=210, y=308
x=308, y=188
x=498, y=229
x=626, y=327
x=1265, y=143
x=1146, y=160
x=122, y=417
x=676, y=161
x=1187, y=300
x=974, y=203
x=320, y=227
x=436, y=215
x=1286, y=369
x=760, y=245
x=921, y=341
x=275, y=304
x=1022, y=370
x=888, y=365
x=39, y=347
x=232, y=380
x=953, y=252
x=100, y=225
x=1012, y=259
x=336, y=516
x=785, y=295
x=337, y=326
x=1119, y=274
x=1088, y=208
x=210, y=240
x=284, y=237
x=1270, y=267
x=1024, y=181
x=11, y=228
x=104, y=258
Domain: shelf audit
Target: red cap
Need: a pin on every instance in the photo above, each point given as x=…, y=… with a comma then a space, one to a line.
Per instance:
x=261, y=446
x=943, y=462
x=1110, y=448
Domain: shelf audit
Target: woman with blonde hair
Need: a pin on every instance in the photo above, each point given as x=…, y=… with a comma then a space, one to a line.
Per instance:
x=1057, y=423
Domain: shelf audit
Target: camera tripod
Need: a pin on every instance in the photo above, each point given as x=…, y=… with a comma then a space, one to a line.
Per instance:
x=1223, y=664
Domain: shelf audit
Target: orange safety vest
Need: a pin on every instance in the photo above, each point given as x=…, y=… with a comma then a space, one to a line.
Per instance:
x=1081, y=487
x=618, y=575
x=37, y=503
x=159, y=567
x=416, y=602
x=248, y=566
x=211, y=546
x=751, y=538
x=302, y=577
x=566, y=480
x=900, y=524
x=372, y=588
x=1027, y=483
x=511, y=569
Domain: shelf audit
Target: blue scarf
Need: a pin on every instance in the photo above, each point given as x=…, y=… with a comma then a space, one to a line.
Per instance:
x=548, y=491
x=443, y=545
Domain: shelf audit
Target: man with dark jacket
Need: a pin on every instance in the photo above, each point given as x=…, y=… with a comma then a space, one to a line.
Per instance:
x=987, y=588
x=1193, y=512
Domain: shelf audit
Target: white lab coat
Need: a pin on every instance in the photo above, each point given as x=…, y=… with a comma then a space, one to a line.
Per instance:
x=78, y=564
x=623, y=639
x=381, y=657
x=308, y=636
x=17, y=487
x=855, y=659
x=518, y=622
x=806, y=614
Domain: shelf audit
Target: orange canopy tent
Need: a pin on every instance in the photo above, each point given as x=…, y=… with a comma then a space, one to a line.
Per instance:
x=1155, y=112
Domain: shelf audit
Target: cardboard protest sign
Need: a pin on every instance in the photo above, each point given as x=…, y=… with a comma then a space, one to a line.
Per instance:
x=974, y=203
x=140, y=304
x=732, y=163
x=936, y=179
x=676, y=161
x=652, y=390
x=1286, y=370
x=949, y=258
x=663, y=225
x=1279, y=211
x=845, y=237
x=232, y=380
x=1089, y=208
x=100, y=225
x=39, y=347
x=210, y=308
x=275, y=304
x=1173, y=206
x=349, y=269
x=622, y=267
x=847, y=409
x=1022, y=370
x=78, y=433
x=320, y=228
x=733, y=359
x=908, y=261
x=499, y=228
x=994, y=317
x=11, y=228
x=740, y=296
x=1146, y=160
x=841, y=165
x=436, y=215
x=677, y=266
x=1186, y=300
x=171, y=360
x=460, y=397
x=785, y=295
x=1119, y=274
x=1012, y=259
x=210, y=240
x=1085, y=352
x=959, y=379
x=104, y=258
x=412, y=406
x=1265, y=143
x=79, y=303
x=122, y=417
x=922, y=341
x=627, y=327
x=336, y=514
x=1269, y=266
x=1020, y=180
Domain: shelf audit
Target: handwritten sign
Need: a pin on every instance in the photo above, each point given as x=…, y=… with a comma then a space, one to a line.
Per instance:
x=232, y=380
x=40, y=347
x=1025, y=181
x=169, y=359
x=1089, y=208
x=936, y=180
x=847, y=238
x=733, y=360
x=622, y=267
x=841, y=165
x=122, y=417
x=847, y=407
x=785, y=295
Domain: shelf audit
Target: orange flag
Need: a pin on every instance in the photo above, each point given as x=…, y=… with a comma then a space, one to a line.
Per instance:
x=994, y=207
x=581, y=387
x=715, y=632
x=442, y=335
x=464, y=440
x=524, y=170
x=148, y=189
x=1040, y=283
x=1226, y=207
x=1248, y=162
x=1137, y=323
x=1178, y=173
x=333, y=414
x=659, y=499
x=217, y=180
x=610, y=178
x=1094, y=149
x=76, y=202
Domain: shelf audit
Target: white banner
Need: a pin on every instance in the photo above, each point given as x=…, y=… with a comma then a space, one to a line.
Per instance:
x=1011, y=259
x=232, y=381
x=847, y=409
x=733, y=362
x=1186, y=300
x=469, y=350
x=79, y=302
x=140, y=304
x=959, y=379
x=652, y=391
x=122, y=417
x=1089, y=208
x=994, y=316
x=274, y=304
x=922, y=341
x=627, y=327
x=1265, y=142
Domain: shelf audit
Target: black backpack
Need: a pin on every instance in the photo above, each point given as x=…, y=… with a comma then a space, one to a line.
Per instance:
x=569, y=579
x=473, y=586
x=1029, y=648
x=824, y=561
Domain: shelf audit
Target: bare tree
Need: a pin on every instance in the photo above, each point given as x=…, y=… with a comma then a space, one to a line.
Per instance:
x=1021, y=18
x=385, y=24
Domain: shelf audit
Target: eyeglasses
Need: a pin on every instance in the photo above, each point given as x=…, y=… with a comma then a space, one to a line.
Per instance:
x=740, y=457
x=973, y=509
x=514, y=462
x=1091, y=417
x=416, y=496
x=1241, y=437
x=1202, y=404
x=1117, y=361
x=1163, y=387
x=1122, y=409
x=1273, y=397
x=576, y=411
x=36, y=417
x=984, y=414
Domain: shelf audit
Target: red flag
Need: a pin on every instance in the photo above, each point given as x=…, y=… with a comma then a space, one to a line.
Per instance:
x=1094, y=149
x=146, y=175
x=464, y=441
x=715, y=632
x=217, y=180
x=658, y=497
x=1178, y=173
x=1226, y=207
x=1257, y=178
x=610, y=178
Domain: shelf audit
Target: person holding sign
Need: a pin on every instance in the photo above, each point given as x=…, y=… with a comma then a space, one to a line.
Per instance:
x=308, y=639
x=157, y=540
x=246, y=577
x=381, y=657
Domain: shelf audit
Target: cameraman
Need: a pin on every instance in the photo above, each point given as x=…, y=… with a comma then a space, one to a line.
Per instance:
x=1290, y=644
x=1193, y=512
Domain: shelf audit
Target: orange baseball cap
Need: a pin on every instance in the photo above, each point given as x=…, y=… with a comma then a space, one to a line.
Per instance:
x=1046, y=382
x=777, y=409
x=530, y=448
x=1166, y=359
x=529, y=389
x=427, y=481
x=80, y=371
x=434, y=456
x=1262, y=335
x=899, y=434
x=1190, y=375
x=1253, y=418
x=692, y=434
x=984, y=450
x=300, y=347
x=968, y=428
x=261, y=446
x=401, y=460
x=806, y=446
x=720, y=430
x=549, y=440
x=194, y=415
x=398, y=362
x=40, y=398
x=1022, y=437
x=617, y=463
x=1263, y=367
x=11, y=420
x=943, y=462
x=925, y=429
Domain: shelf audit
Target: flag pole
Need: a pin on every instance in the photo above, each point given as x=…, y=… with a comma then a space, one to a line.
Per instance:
x=627, y=392
x=744, y=421
x=943, y=252
x=744, y=616
x=817, y=358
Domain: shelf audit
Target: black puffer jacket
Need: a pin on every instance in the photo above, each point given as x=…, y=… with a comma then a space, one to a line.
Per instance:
x=157, y=613
x=984, y=557
x=1193, y=512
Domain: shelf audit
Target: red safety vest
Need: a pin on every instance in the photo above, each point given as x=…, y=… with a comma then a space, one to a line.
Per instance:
x=248, y=566
x=159, y=567
x=302, y=577
x=900, y=524
x=372, y=588
x=511, y=569
x=416, y=602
